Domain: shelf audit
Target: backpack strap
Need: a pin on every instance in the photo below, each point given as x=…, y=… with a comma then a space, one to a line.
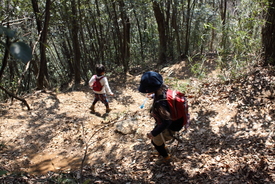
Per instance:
x=98, y=79
x=174, y=93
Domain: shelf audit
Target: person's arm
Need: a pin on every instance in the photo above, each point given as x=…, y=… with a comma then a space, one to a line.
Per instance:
x=165, y=123
x=161, y=127
x=107, y=87
x=91, y=81
x=158, y=129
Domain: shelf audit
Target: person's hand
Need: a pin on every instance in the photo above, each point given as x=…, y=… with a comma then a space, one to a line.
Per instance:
x=151, y=95
x=112, y=94
x=150, y=136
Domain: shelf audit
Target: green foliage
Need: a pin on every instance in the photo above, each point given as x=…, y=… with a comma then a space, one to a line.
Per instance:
x=101, y=35
x=197, y=66
x=198, y=70
x=235, y=68
x=183, y=87
x=243, y=40
x=243, y=34
x=176, y=84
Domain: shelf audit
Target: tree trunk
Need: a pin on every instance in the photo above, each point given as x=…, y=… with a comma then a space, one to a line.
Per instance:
x=140, y=35
x=125, y=48
x=117, y=37
x=100, y=34
x=43, y=71
x=188, y=27
x=77, y=54
x=268, y=35
x=175, y=26
x=5, y=58
x=223, y=8
x=161, y=30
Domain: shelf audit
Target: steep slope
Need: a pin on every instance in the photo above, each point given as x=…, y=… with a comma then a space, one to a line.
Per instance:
x=231, y=139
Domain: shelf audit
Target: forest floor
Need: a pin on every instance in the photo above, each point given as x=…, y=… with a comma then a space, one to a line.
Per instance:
x=231, y=138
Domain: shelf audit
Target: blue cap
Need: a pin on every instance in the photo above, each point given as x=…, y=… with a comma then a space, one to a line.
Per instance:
x=150, y=82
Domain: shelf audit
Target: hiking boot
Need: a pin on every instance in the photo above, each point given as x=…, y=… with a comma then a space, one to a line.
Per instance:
x=108, y=110
x=164, y=160
x=92, y=108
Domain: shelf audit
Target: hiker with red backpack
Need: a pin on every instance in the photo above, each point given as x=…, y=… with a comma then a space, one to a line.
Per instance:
x=162, y=110
x=100, y=86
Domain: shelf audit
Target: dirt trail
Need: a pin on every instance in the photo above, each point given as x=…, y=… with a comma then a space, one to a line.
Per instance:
x=231, y=138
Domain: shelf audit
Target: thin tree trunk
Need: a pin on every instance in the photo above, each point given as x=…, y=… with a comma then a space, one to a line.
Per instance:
x=125, y=49
x=223, y=18
x=187, y=35
x=43, y=71
x=77, y=56
x=101, y=40
x=140, y=35
x=117, y=37
x=268, y=35
x=5, y=58
x=161, y=30
x=175, y=26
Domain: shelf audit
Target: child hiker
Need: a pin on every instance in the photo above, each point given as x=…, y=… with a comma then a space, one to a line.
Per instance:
x=152, y=83
x=101, y=89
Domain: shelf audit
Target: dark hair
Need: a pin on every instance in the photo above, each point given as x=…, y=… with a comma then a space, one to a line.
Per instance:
x=157, y=108
x=99, y=69
x=160, y=111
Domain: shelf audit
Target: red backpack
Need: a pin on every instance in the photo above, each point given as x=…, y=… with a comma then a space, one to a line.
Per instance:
x=178, y=105
x=97, y=85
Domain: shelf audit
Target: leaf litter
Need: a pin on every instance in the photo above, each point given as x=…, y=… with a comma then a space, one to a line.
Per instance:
x=230, y=140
